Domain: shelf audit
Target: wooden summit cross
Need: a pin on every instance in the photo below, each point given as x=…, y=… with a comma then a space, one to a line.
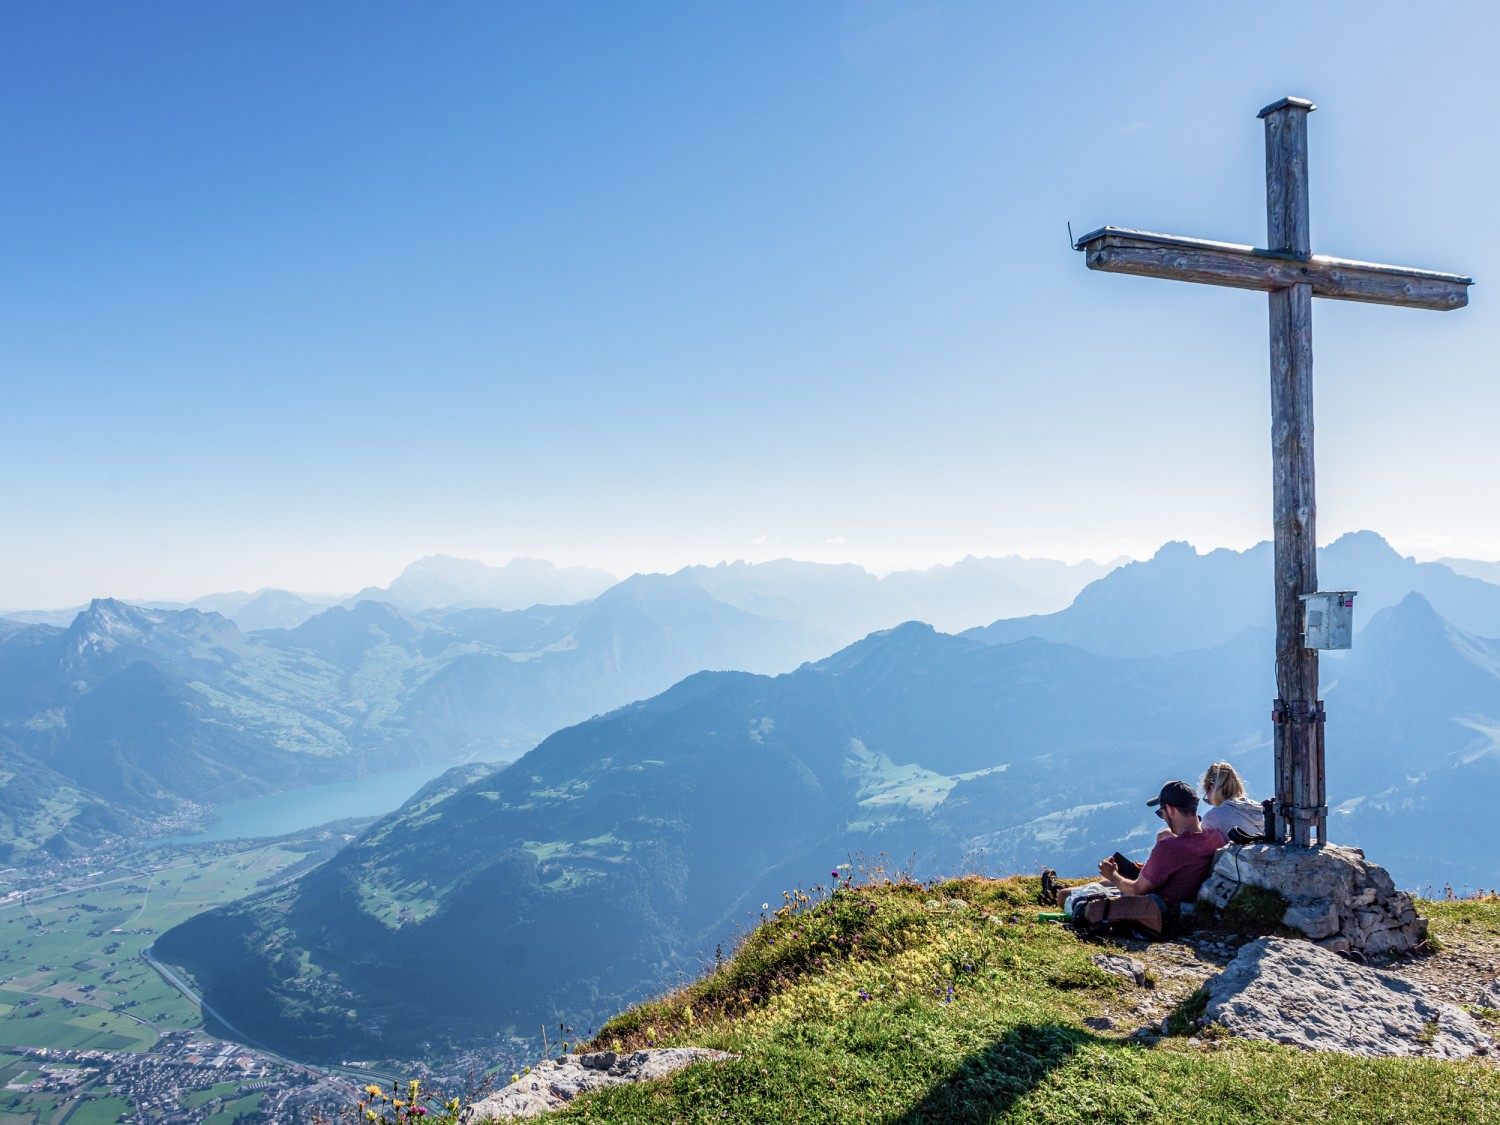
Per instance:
x=1293, y=276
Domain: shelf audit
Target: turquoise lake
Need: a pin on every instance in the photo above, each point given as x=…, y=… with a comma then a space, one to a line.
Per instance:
x=317, y=804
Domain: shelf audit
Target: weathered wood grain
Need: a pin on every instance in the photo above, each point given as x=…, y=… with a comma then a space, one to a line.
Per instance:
x=1288, y=226
x=1294, y=516
x=1145, y=254
x=1294, y=493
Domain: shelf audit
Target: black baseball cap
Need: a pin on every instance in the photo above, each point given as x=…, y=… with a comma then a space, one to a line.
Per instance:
x=1178, y=794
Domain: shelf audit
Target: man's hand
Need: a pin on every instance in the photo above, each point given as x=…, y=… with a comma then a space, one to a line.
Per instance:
x=1109, y=871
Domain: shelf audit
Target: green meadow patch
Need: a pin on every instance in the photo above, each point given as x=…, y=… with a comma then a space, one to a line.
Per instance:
x=98, y=1111
x=1469, y=918
x=230, y=1110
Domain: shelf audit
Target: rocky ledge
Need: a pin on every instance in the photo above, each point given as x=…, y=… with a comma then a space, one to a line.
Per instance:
x=1333, y=894
x=556, y=1082
x=1294, y=992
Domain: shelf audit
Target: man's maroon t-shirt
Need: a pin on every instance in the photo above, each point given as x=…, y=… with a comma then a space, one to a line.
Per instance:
x=1179, y=864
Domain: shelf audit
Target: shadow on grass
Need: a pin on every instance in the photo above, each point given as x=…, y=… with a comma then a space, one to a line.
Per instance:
x=989, y=1082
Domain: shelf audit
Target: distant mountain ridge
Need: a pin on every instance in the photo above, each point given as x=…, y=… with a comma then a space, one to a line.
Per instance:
x=445, y=582
x=645, y=834
x=263, y=609
x=1473, y=568
x=843, y=600
x=849, y=602
x=1180, y=600
x=133, y=711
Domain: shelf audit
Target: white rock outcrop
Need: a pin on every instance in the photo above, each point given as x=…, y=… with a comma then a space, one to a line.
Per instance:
x=554, y=1083
x=1289, y=991
x=1119, y=965
x=1490, y=997
x=1334, y=895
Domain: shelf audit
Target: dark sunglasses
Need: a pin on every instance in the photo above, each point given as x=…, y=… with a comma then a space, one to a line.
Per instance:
x=1161, y=812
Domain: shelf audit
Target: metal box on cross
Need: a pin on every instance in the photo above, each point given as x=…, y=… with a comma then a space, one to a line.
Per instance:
x=1328, y=619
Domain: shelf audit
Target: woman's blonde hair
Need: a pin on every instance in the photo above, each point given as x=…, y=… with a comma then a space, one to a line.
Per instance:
x=1221, y=783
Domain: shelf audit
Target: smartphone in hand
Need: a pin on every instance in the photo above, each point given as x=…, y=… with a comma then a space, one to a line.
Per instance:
x=1127, y=868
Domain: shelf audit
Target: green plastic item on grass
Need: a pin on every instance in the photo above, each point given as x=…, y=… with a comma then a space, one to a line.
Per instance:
x=1052, y=916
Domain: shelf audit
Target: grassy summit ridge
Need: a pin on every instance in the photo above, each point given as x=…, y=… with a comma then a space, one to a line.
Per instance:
x=899, y=1002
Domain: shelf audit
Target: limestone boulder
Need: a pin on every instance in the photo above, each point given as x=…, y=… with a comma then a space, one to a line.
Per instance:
x=556, y=1082
x=1121, y=966
x=1295, y=992
x=1334, y=895
x=1490, y=997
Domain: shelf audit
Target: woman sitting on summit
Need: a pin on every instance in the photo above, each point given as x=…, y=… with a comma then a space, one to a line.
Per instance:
x=1231, y=809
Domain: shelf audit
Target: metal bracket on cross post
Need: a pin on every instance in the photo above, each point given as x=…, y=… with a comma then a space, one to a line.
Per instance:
x=1299, y=771
x=1300, y=774
x=1283, y=712
x=1297, y=812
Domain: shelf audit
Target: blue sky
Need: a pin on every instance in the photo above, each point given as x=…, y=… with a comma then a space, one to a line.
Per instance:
x=292, y=295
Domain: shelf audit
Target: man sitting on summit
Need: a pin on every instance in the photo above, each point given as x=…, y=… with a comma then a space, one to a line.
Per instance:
x=1176, y=868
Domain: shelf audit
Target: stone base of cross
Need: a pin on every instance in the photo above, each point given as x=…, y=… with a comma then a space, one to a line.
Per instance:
x=1292, y=276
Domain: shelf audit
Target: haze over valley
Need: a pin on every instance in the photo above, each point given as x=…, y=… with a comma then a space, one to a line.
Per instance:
x=126, y=712
x=739, y=745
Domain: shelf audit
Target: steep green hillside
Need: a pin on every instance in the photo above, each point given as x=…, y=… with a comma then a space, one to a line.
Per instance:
x=900, y=1003
x=641, y=838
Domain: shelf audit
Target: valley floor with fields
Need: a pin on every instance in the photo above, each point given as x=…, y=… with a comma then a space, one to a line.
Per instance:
x=90, y=1030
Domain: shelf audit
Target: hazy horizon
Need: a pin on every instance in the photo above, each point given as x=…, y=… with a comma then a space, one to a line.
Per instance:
x=340, y=592
x=618, y=573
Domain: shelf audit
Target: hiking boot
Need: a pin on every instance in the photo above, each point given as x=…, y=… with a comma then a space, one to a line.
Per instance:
x=1049, y=887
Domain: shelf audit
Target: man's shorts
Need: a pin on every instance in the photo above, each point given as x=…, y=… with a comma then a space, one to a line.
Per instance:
x=1079, y=896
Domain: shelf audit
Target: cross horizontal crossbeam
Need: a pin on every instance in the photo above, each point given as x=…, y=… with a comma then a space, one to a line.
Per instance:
x=1117, y=250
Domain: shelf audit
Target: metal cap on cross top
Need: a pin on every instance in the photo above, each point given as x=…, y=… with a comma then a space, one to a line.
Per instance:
x=1287, y=103
x=1291, y=275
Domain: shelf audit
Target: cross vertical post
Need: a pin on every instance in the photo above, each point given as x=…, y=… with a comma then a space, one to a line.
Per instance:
x=1298, y=713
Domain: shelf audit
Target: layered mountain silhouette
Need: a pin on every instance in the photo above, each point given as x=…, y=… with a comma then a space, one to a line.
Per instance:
x=637, y=840
x=444, y=582
x=1473, y=568
x=134, y=711
x=631, y=840
x=262, y=609
x=1414, y=746
x=848, y=602
x=1180, y=600
x=844, y=601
